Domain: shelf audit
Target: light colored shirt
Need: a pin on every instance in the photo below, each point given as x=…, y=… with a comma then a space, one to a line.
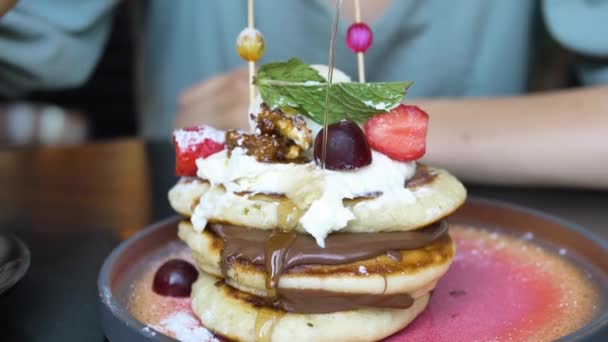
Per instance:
x=448, y=48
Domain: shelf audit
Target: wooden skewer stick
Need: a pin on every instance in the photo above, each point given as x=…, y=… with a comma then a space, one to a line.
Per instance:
x=360, y=58
x=250, y=25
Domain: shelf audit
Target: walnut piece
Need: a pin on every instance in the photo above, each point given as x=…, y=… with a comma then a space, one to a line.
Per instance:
x=279, y=138
x=274, y=121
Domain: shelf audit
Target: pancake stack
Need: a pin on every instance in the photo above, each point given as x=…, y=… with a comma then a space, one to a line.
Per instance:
x=267, y=276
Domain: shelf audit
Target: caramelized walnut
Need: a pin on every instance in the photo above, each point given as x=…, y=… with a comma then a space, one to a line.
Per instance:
x=266, y=148
x=274, y=121
x=278, y=138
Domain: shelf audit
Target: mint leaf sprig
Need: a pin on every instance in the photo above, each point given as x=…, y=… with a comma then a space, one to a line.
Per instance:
x=297, y=85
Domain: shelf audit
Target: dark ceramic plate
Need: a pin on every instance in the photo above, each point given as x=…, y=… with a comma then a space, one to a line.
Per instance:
x=14, y=261
x=585, y=250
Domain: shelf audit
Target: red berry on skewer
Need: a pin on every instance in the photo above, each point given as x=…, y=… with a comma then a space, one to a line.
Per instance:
x=359, y=37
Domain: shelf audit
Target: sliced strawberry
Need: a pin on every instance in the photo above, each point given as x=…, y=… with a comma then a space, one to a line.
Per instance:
x=192, y=143
x=400, y=133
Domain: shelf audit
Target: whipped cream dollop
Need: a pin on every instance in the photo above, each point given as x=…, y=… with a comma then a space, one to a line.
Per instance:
x=243, y=173
x=384, y=177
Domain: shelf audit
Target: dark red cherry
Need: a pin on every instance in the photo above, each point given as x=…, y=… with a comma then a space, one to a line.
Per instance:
x=174, y=278
x=347, y=147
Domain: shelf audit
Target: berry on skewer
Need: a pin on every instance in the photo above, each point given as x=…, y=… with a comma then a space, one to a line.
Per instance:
x=250, y=46
x=358, y=39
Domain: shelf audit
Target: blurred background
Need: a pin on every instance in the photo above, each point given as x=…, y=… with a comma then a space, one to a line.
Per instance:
x=67, y=156
x=101, y=108
x=104, y=107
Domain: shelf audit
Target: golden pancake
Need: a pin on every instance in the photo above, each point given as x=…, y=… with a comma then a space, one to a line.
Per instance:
x=240, y=317
x=416, y=272
x=185, y=195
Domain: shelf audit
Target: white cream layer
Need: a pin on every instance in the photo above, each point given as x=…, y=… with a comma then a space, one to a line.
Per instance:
x=319, y=193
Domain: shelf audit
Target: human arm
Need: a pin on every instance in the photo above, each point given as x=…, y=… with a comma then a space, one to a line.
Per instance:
x=556, y=138
x=51, y=44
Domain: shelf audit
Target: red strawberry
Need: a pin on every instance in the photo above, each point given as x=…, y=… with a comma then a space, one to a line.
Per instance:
x=192, y=143
x=400, y=133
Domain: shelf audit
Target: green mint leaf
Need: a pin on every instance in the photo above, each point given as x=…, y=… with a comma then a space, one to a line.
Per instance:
x=297, y=85
x=294, y=70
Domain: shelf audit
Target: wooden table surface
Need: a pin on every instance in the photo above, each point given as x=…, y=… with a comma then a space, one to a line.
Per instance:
x=72, y=205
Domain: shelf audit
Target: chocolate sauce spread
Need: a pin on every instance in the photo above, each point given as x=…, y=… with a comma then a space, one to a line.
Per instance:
x=422, y=176
x=316, y=301
x=289, y=250
x=319, y=301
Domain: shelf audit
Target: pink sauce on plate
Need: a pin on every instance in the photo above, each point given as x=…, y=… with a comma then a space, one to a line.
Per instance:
x=499, y=288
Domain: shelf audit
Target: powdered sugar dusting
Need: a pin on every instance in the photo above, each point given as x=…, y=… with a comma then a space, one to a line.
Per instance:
x=148, y=331
x=378, y=105
x=362, y=269
x=185, y=327
x=197, y=135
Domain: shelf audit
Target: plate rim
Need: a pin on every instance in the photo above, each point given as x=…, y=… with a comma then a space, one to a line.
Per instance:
x=108, y=300
x=110, y=305
x=24, y=266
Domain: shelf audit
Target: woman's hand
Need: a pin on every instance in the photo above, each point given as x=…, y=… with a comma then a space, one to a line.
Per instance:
x=221, y=101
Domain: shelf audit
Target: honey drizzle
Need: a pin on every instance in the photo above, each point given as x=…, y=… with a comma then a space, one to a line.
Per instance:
x=288, y=214
x=330, y=74
x=276, y=247
x=279, y=242
x=265, y=322
x=383, y=274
